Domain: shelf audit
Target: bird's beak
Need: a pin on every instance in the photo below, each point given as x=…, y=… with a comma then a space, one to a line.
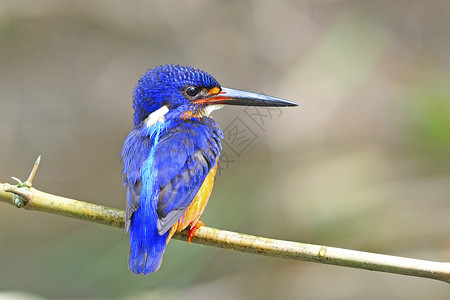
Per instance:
x=237, y=97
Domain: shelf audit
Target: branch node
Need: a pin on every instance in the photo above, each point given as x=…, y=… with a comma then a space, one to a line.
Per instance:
x=22, y=193
x=18, y=201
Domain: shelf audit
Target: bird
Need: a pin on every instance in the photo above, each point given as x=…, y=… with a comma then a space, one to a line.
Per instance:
x=170, y=157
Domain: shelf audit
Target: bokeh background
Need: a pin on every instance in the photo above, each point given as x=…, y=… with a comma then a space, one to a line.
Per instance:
x=362, y=163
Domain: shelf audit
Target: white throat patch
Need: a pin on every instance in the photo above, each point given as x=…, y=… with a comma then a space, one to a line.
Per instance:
x=209, y=109
x=156, y=116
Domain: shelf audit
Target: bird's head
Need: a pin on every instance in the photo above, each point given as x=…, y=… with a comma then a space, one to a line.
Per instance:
x=184, y=92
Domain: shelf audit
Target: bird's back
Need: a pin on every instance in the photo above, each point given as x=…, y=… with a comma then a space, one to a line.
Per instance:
x=164, y=168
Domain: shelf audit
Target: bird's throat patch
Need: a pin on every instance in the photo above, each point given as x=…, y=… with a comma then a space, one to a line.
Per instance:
x=205, y=112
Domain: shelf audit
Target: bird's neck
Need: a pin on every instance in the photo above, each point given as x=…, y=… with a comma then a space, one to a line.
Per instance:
x=163, y=114
x=156, y=116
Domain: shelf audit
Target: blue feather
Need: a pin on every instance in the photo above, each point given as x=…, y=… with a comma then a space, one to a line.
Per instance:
x=146, y=244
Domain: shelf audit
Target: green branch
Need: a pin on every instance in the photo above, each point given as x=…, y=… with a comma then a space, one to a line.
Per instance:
x=23, y=195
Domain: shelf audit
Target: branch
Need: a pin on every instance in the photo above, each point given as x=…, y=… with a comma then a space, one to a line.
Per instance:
x=23, y=195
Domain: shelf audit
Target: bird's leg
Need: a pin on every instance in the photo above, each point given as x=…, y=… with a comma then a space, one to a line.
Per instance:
x=194, y=228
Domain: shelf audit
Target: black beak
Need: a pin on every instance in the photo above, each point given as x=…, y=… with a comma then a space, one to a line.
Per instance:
x=237, y=97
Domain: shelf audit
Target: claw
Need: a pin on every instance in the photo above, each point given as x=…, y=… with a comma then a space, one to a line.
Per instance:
x=194, y=229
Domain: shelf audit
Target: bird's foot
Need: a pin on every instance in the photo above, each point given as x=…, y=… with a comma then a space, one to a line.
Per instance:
x=194, y=229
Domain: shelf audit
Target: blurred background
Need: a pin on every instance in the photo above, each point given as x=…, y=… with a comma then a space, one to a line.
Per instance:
x=363, y=162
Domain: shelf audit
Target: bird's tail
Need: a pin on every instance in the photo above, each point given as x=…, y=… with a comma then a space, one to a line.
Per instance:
x=146, y=245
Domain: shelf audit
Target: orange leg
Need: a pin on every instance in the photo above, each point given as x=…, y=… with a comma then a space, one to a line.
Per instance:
x=194, y=228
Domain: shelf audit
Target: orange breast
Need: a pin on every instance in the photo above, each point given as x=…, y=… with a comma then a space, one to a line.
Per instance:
x=195, y=209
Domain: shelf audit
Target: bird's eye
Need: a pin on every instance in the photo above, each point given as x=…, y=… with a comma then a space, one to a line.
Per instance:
x=192, y=91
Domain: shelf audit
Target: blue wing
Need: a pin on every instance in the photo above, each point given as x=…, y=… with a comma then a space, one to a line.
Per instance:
x=183, y=159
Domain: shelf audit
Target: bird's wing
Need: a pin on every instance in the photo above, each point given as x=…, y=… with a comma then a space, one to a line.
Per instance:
x=183, y=159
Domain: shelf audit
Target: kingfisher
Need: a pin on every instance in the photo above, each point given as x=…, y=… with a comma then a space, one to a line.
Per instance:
x=170, y=157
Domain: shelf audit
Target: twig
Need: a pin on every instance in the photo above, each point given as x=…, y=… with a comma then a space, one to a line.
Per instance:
x=34, y=199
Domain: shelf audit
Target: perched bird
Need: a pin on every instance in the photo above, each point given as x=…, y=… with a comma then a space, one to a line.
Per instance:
x=170, y=157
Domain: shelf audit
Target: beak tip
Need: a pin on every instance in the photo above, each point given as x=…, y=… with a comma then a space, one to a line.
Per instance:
x=291, y=104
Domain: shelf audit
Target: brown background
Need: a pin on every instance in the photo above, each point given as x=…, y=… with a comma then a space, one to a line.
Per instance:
x=362, y=163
